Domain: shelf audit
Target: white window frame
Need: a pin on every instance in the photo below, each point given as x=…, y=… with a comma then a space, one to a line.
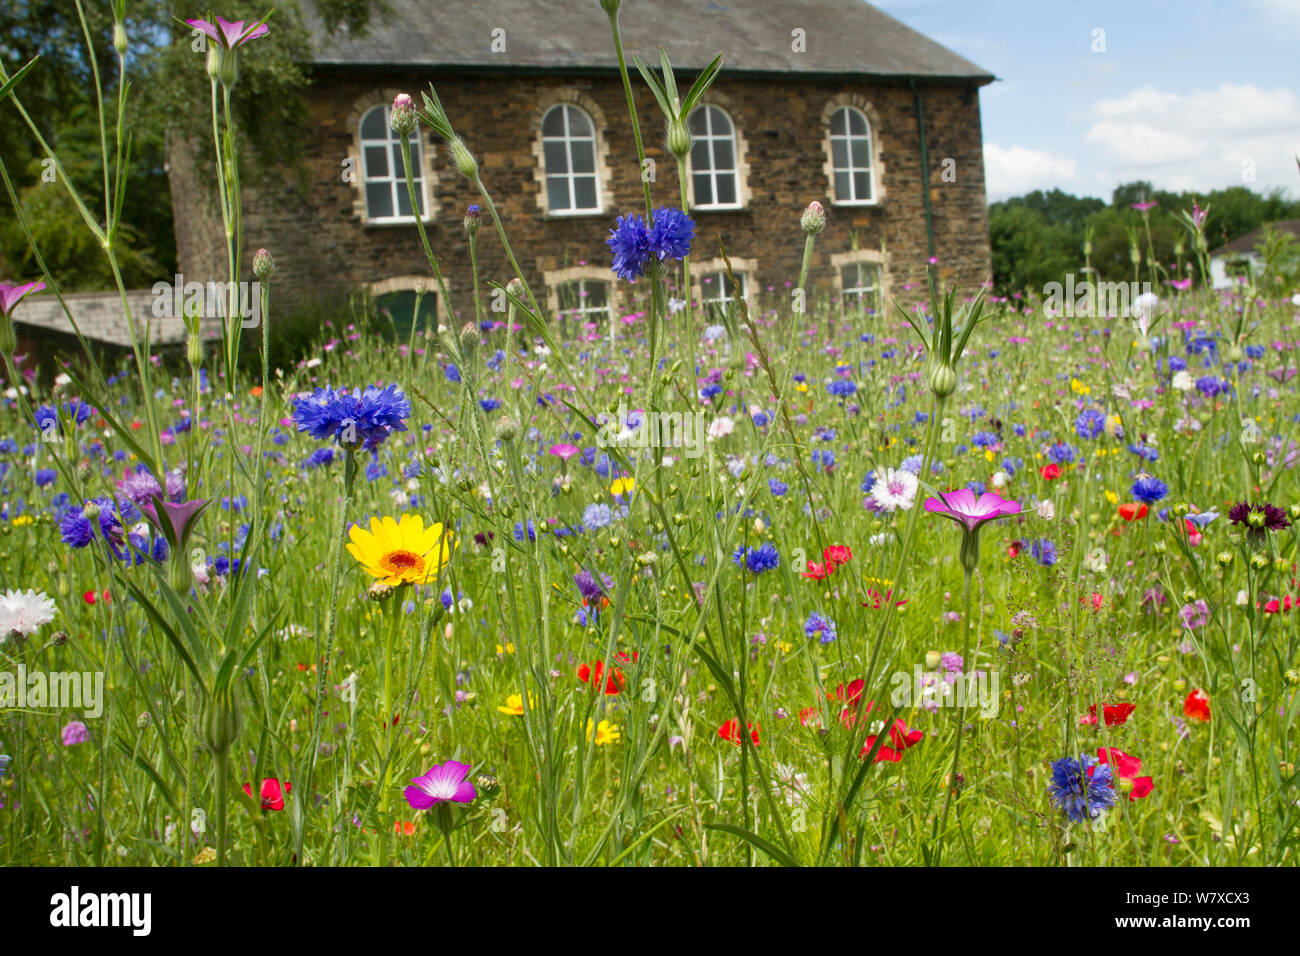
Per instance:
x=568, y=139
x=583, y=313
x=722, y=300
x=848, y=138
x=857, y=291
x=396, y=178
x=709, y=137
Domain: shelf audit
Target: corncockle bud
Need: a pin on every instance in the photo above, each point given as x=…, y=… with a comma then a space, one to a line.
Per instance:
x=472, y=219
x=263, y=264
x=813, y=219
x=942, y=380
x=679, y=138
x=611, y=6
x=119, y=39
x=402, y=117
x=470, y=338
x=194, y=351
x=507, y=429
x=220, y=722
x=464, y=159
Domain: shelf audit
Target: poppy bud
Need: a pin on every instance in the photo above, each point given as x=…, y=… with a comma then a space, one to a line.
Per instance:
x=220, y=722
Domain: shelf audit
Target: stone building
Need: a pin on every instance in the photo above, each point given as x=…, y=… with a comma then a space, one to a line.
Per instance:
x=830, y=100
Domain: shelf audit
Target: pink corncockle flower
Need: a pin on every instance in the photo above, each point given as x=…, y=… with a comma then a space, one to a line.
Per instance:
x=1144, y=206
x=563, y=451
x=442, y=783
x=971, y=514
x=11, y=295
x=230, y=35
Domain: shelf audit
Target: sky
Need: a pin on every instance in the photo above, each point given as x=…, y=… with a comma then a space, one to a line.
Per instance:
x=1189, y=95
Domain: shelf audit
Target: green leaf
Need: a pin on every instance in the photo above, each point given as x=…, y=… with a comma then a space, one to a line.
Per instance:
x=168, y=631
x=655, y=88
x=756, y=841
x=701, y=84
x=10, y=83
x=128, y=750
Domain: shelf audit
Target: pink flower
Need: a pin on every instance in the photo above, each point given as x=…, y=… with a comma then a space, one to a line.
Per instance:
x=75, y=733
x=443, y=782
x=563, y=452
x=230, y=35
x=11, y=295
x=970, y=512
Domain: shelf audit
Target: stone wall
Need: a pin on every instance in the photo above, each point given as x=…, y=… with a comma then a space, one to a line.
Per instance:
x=312, y=220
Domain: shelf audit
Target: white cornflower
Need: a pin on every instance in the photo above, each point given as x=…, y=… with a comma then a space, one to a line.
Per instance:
x=894, y=490
x=721, y=427
x=24, y=612
x=1046, y=510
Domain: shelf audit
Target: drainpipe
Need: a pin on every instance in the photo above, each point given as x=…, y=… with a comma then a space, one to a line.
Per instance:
x=925, y=166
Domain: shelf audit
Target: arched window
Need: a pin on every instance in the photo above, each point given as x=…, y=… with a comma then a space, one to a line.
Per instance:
x=717, y=289
x=851, y=156
x=860, y=284
x=387, y=199
x=715, y=176
x=569, y=159
x=585, y=300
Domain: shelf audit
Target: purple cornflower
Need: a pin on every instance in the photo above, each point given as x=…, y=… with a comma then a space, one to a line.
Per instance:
x=589, y=587
x=757, y=560
x=635, y=243
x=140, y=486
x=354, y=421
x=1089, y=424
x=443, y=782
x=820, y=627
x=1081, y=787
x=1043, y=551
x=75, y=732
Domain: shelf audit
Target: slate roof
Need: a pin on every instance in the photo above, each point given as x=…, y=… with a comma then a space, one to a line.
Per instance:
x=843, y=37
x=1250, y=240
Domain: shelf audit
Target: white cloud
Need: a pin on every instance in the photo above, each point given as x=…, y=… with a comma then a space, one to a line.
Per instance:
x=1014, y=170
x=1200, y=140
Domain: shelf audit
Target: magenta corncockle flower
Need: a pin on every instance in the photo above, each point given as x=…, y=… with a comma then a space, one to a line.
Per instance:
x=442, y=783
x=230, y=35
x=11, y=295
x=176, y=521
x=1144, y=206
x=971, y=514
x=563, y=451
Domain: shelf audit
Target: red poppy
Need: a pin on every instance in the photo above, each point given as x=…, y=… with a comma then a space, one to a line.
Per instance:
x=1113, y=714
x=837, y=554
x=810, y=717
x=1132, y=511
x=1126, y=768
x=1274, y=606
x=1014, y=548
x=592, y=673
x=730, y=732
x=272, y=798
x=876, y=599
x=1050, y=472
x=403, y=827
x=1197, y=705
x=817, y=572
x=851, y=694
x=901, y=737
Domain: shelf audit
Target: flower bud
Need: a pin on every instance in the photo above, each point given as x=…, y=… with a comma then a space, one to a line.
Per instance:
x=59, y=638
x=194, y=351
x=402, y=117
x=378, y=591
x=933, y=659
x=470, y=338
x=143, y=721
x=91, y=510
x=263, y=264
x=515, y=287
x=464, y=159
x=180, y=576
x=119, y=39
x=679, y=138
x=813, y=219
x=472, y=219
x=942, y=380
x=507, y=429
x=220, y=722
x=1225, y=559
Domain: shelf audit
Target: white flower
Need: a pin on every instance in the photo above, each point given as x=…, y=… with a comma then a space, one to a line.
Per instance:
x=1046, y=510
x=894, y=490
x=313, y=363
x=1182, y=380
x=1000, y=479
x=721, y=427
x=1295, y=300
x=675, y=305
x=1243, y=598
x=24, y=612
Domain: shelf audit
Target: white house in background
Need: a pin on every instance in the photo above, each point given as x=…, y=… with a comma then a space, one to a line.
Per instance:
x=1229, y=263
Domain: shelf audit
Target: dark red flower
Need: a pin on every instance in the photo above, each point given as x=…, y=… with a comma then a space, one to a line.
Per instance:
x=272, y=797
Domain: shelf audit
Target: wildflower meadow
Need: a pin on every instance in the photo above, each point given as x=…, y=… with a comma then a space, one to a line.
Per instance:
x=949, y=579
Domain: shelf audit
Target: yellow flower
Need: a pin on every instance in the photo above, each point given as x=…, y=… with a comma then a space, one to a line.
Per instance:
x=606, y=733
x=1112, y=497
x=784, y=646
x=515, y=705
x=622, y=486
x=401, y=552
x=508, y=649
x=801, y=386
x=21, y=521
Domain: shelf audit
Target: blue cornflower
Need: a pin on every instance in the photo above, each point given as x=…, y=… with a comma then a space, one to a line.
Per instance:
x=1062, y=454
x=1089, y=424
x=321, y=456
x=45, y=476
x=634, y=243
x=452, y=373
x=597, y=516
x=489, y=404
x=757, y=560
x=820, y=627
x=842, y=388
x=778, y=488
x=359, y=421
x=983, y=440
x=1145, y=452
x=1043, y=551
x=1148, y=490
x=1082, y=795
